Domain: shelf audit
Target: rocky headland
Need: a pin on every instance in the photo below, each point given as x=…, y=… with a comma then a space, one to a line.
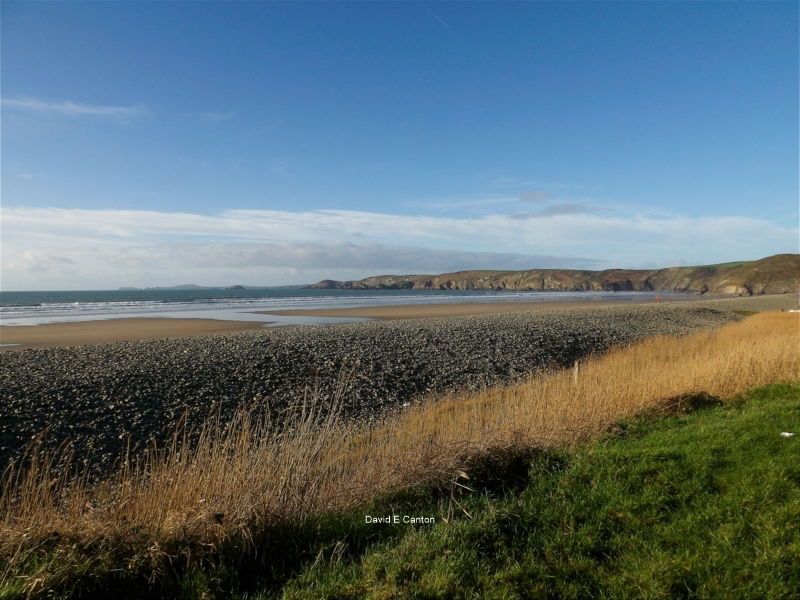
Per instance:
x=779, y=274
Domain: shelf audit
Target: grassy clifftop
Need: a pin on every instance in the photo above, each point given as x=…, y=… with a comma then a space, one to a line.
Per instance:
x=777, y=274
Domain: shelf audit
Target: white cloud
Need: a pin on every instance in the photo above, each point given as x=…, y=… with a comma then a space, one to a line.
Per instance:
x=71, y=108
x=331, y=255
x=563, y=208
x=109, y=248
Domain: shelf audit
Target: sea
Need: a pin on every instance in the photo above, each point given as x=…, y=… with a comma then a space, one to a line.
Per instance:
x=34, y=308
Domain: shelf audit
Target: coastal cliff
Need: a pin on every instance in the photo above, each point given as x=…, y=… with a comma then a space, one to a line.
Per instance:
x=777, y=274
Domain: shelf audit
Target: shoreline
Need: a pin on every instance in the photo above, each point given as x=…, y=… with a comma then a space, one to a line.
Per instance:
x=106, y=331
x=128, y=329
x=56, y=335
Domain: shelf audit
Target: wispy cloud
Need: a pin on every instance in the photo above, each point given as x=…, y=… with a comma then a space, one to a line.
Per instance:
x=370, y=256
x=471, y=204
x=435, y=16
x=554, y=210
x=72, y=108
x=534, y=196
x=518, y=183
x=25, y=175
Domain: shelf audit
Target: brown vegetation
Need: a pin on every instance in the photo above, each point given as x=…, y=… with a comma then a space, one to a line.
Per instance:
x=246, y=477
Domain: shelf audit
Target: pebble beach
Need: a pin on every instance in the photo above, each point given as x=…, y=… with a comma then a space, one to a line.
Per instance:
x=97, y=399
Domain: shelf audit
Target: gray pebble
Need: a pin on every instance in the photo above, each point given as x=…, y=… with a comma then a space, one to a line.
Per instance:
x=99, y=398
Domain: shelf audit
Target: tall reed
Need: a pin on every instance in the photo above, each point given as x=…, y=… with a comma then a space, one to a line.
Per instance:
x=248, y=475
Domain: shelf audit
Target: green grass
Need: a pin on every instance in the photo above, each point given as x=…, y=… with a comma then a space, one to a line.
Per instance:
x=699, y=505
x=705, y=505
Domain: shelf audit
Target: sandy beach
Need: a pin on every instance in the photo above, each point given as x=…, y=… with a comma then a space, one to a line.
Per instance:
x=113, y=330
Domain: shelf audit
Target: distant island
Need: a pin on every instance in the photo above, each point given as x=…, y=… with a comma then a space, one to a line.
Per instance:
x=192, y=286
x=778, y=274
x=185, y=286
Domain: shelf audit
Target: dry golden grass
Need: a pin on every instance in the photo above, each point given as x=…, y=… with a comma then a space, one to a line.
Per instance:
x=246, y=476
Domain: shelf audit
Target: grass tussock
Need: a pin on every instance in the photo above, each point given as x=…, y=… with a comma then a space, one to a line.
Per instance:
x=179, y=506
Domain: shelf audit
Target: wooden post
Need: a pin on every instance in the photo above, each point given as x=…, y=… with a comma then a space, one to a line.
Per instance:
x=575, y=371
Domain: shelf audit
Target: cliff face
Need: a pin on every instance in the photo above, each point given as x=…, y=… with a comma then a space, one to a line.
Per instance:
x=777, y=274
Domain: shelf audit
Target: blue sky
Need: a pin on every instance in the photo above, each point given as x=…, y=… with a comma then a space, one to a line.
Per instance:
x=150, y=143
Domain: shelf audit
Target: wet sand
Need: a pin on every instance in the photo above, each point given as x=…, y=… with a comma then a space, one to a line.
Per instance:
x=422, y=311
x=113, y=330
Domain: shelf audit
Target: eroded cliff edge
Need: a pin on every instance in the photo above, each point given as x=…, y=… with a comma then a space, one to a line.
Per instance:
x=777, y=274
